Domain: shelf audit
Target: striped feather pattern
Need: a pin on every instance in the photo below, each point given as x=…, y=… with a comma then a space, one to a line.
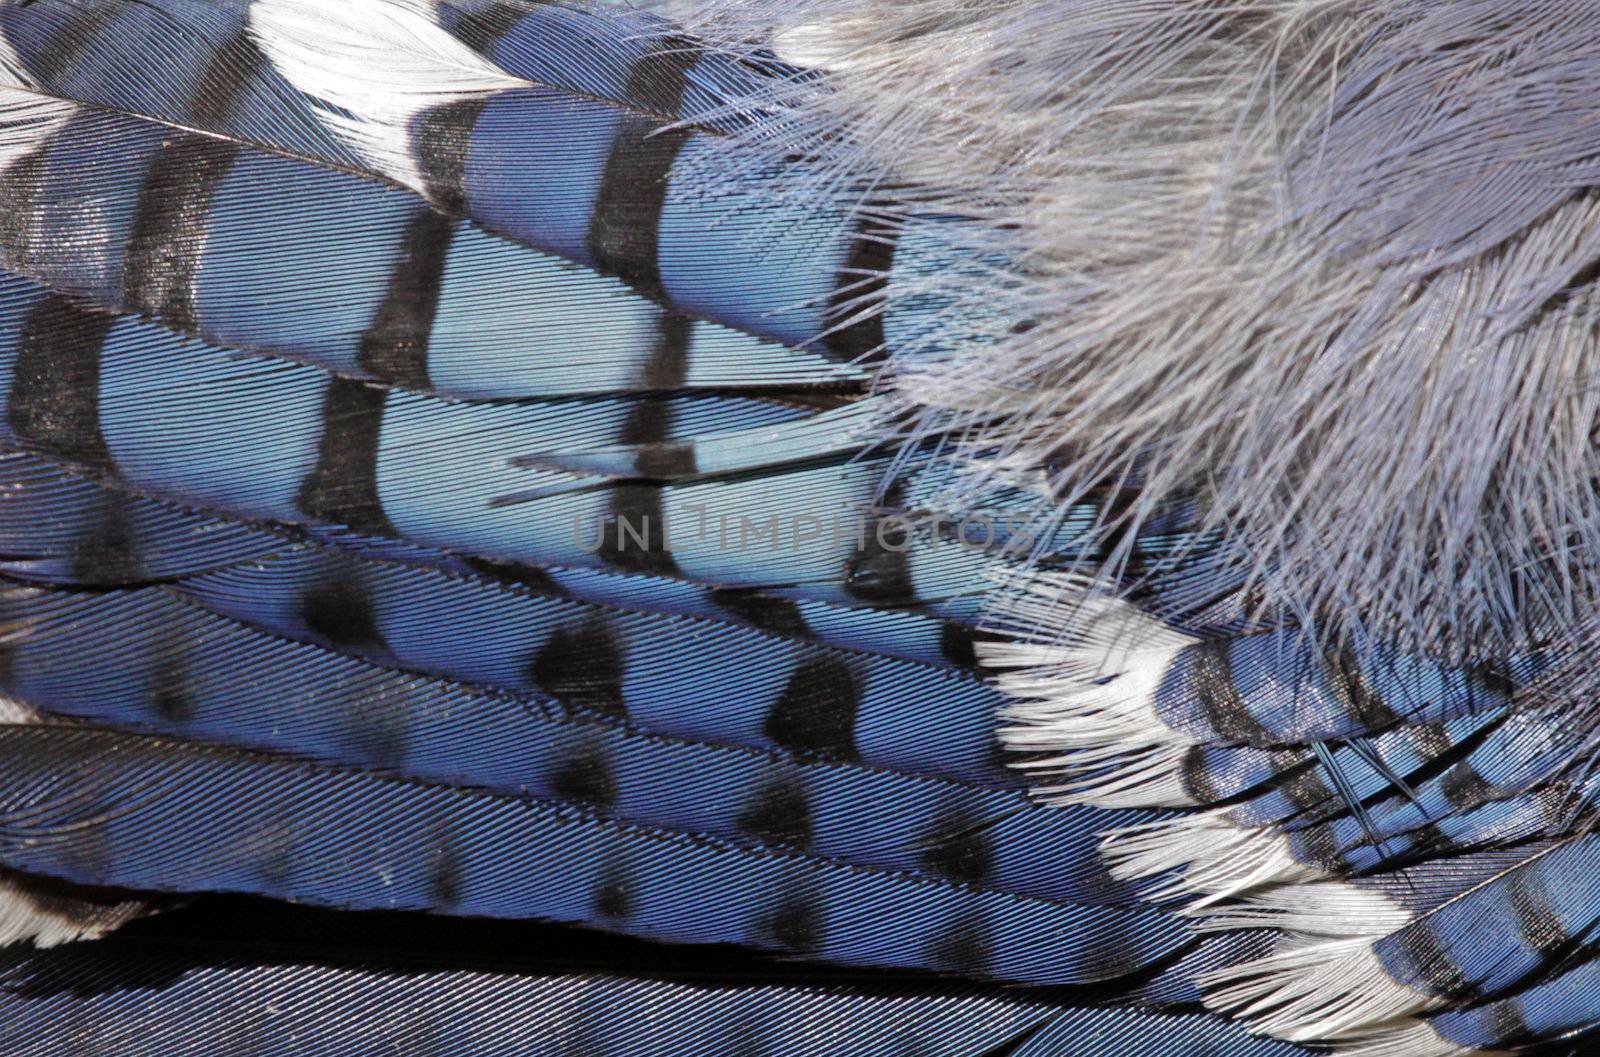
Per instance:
x=272, y=828
x=438, y=480
x=181, y=993
x=166, y=667
x=264, y=251
x=85, y=387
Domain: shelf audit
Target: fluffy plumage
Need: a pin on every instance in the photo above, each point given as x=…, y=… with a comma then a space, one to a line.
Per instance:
x=1323, y=265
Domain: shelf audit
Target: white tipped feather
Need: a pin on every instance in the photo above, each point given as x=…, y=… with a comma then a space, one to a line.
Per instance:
x=1083, y=694
x=12, y=69
x=35, y=911
x=42, y=911
x=1317, y=992
x=1323, y=908
x=382, y=61
x=27, y=121
x=1410, y=1039
x=1214, y=859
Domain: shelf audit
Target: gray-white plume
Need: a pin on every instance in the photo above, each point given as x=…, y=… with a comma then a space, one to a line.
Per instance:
x=1325, y=265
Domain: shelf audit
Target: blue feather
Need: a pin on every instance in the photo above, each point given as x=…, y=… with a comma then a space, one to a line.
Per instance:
x=278, y=827
x=180, y=997
x=171, y=418
x=266, y=252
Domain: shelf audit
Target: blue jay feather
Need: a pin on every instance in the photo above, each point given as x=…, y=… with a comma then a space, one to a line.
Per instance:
x=446, y=849
x=274, y=992
x=528, y=527
x=348, y=274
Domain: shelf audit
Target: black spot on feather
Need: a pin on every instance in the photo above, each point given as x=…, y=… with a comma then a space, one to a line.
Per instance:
x=340, y=610
x=964, y=946
x=446, y=874
x=582, y=667
x=20, y=186
x=816, y=714
x=1365, y=703
x=795, y=923
x=633, y=535
x=959, y=645
x=106, y=550
x=668, y=366
x=377, y=732
x=234, y=67
x=1537, y=918
x=960, y=847
x=779, y=616
x=614, y=897
x=170, y=695
x=586, y=778
x=779, y=813
x=76, y=30
x=1464, y=788
x=1426, y=958
x=529, y=576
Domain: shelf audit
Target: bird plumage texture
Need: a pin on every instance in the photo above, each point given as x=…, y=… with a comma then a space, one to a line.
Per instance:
x=1016, y=529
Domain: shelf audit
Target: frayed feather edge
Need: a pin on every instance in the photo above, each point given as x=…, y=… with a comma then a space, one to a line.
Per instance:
x=35, y=910
x=1083, y=694
x=1215, y=859
x=45, y=912
x=1318, y=992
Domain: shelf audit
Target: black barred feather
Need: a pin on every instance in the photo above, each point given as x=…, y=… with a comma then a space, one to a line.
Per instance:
x=533, y=527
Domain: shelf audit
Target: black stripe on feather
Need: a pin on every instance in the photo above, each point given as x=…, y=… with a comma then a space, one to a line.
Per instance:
x=79, y=30
x=668, y=366
x=343, y=487
x=648, y=428
x=880, y=568
x=443, y=137
x=1218, y=695
x=859, y=290
x=169, y=228
x=55, y=387
x=394, y=348
x=234, y=67
x=482, y=29
x=20, y=185
x=795, y=921
x=625, y=227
